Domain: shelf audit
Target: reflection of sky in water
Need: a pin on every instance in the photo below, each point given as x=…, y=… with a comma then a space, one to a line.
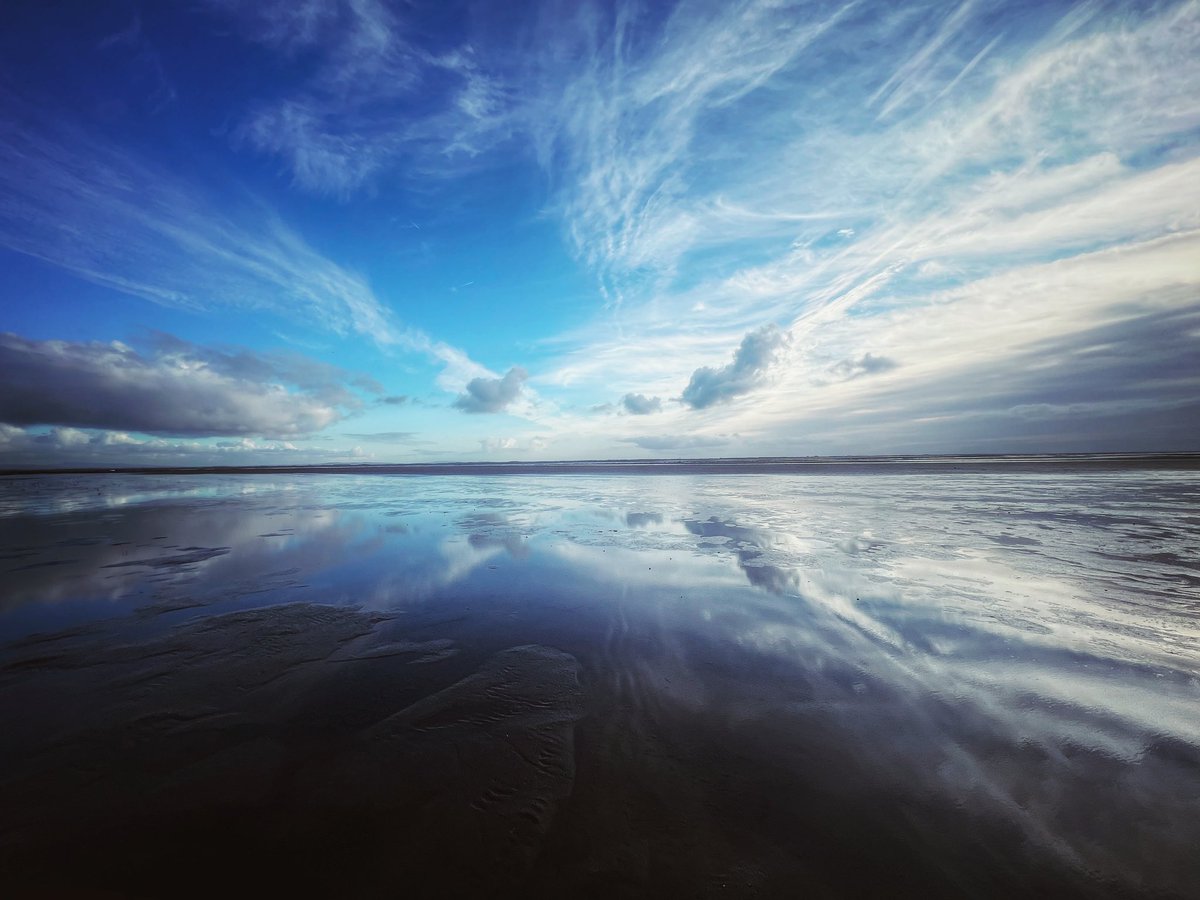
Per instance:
x=1025, y=645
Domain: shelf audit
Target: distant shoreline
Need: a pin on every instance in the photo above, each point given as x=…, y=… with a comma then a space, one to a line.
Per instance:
x=812, y=465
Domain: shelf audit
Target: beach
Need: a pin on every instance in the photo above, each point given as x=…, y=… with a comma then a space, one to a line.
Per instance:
x=685, y=682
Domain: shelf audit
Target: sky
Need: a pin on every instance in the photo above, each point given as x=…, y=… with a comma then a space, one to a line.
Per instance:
x=327, y=231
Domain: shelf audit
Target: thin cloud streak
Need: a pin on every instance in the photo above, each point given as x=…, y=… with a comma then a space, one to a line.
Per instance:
x=121, y=222
x=377, y=103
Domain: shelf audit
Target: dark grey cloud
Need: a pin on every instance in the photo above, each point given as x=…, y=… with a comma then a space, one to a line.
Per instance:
x=395, y=400
x=1129, y=385
x=757, y=352
x=867, y=364
x=328, y=383
x=641, y=405
x=171, y=387
x=490, y=395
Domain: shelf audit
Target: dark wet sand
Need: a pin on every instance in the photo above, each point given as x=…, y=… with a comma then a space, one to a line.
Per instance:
x=321, y=751
x=564, y=720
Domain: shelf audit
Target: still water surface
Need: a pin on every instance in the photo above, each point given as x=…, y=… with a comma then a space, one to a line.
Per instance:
x=599, y=685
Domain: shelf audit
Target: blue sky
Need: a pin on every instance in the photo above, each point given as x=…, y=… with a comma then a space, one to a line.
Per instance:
x=358, y=230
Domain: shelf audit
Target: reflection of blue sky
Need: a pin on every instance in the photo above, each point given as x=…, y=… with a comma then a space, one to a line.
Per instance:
x=995, y=552
x=1056, y=614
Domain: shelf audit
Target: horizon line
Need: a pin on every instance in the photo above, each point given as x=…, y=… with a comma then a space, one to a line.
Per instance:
x=1185, y=459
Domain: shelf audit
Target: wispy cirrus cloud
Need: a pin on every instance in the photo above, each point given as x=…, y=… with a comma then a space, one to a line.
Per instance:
x=110, y=217
x=623, y=130
x=867, y=364
x=377, y=99
x=678, y=442
x=968, y=151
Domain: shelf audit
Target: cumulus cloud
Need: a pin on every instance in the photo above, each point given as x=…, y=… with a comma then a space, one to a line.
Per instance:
x=867, y=364
x=490, y=445
x=521, y=445
x=758, y=351
x=641, y=405
x=490, y=395
x=172, y=388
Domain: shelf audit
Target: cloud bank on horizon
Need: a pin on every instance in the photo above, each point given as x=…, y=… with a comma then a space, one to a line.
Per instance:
x=410, y=231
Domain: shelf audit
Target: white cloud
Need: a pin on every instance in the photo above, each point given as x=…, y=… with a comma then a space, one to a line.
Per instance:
x=492, y=395
x=491, y=445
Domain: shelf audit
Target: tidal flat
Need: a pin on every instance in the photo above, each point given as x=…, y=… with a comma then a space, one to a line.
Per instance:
x=938, y=684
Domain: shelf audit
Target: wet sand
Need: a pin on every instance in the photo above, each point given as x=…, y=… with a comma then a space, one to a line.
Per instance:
x=464, y=687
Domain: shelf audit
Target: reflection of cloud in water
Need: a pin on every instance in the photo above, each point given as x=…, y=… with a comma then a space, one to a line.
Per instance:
x=643, y=519
x=1022, y=650
x=426, y=570
x=513, y=544
x=951, y=681
x=123, y=552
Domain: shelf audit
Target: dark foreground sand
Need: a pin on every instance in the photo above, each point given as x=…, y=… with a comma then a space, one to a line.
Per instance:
x=308, y=750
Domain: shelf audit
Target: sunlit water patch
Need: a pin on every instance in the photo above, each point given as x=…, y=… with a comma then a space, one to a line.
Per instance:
x=586, y=685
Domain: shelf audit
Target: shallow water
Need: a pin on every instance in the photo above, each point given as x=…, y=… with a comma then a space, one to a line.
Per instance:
x=588, y=685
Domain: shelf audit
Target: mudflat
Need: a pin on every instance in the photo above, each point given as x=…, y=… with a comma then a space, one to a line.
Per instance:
x=601, y=684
